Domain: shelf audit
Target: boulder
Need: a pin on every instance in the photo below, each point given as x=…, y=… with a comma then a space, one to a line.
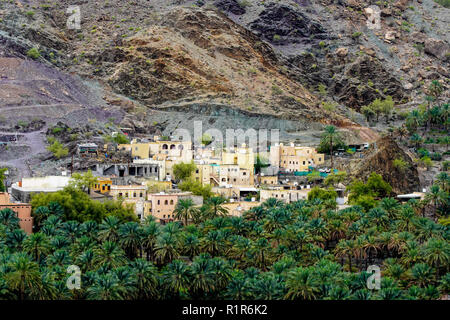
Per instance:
x=342, y=52
x=437, y=48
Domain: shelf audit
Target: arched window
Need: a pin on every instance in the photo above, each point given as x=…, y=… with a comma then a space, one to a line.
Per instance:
x=171, y=201
x=165, y=147
x=172, y=147
x=166, y=202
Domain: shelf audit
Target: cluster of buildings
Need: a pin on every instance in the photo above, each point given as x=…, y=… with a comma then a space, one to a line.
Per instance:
x=146, y=179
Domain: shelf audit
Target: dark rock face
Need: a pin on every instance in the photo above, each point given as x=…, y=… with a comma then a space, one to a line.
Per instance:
x=230, y=6
x=381, y=161
x=364, y=80
x=281, y=24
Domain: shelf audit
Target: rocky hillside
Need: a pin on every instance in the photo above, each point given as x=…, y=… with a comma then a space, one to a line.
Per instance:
x=293, y=65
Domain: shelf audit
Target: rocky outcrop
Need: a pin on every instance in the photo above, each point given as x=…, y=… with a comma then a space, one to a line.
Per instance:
x=437, y=48
x=281, y=24
x=232, y=6
x=380, y=159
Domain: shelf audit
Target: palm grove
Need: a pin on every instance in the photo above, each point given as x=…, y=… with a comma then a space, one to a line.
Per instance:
x=302, y=250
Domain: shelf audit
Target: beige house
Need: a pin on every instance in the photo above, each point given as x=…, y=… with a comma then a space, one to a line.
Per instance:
x=295, y=158
x=287, y=196
x=162, y=205
x=131, y=192
x=237, y=208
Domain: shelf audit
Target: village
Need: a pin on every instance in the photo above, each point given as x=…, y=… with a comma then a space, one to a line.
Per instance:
x=141, y=174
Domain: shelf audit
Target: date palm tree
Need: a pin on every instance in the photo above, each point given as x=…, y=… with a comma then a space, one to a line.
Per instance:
x=9, y=218
x=185, y=210
x=214, y=207
x=437, y=254
x=37, y=245
x=109, y=229
x=302, y=284
x=177, y=277
x=106, y=287
x=150, y=235
x=166, y=248
x=131, y=235
x=147, y=278
x=109, y=255
x=24, y=274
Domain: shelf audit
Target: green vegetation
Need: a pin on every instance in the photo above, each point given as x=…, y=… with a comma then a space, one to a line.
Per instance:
x=364, y=194
x=331, y=140
x=33, y=53
x=76, y=205
x=57, y=148
x=2, y=179
x=444, y=3
x=183, y=171
x=291, y=251
x=378, y=107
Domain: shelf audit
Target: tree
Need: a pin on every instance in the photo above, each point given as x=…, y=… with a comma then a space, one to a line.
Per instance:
x=302, y=284
x=333, y=179
x=185, y=210
x=24, y=275
x=58, y=150
x=2, y=179
x=331, y=135
x=84, y=181
x=214, y=207
x=400, y=164
x=260, y=163
x=322, y=194
x=183, y=171
x=177, y=277
x=37, y=245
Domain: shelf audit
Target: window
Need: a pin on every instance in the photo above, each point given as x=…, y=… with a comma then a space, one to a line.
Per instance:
x=126, y=195
x=120, y=194
x=171, y=201
x=134, y=195
x=166, y=202
x=141, y=195
x=159, y=202
x=244, y=173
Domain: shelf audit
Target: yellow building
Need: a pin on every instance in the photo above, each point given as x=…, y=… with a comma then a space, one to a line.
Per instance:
x=268, y=180
x=242, y=156
x=129, y=192
x=287, y=196
x=237, y=208
x=295, y=158
x=103, y=185
x=180, y=151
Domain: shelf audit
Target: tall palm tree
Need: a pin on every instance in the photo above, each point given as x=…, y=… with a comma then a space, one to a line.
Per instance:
x=331, y=134
x=39, y=215
x=9, y=218
x=37, y=245
x=437, y=254
x=109, y=255
x=109, y=229
x=106, y=287
x=131, y=235
x=150, y=235
x=166, y=248
x=24, y=274
x=147, y=278
x=215, y=207
x=177, y=277
x=185, y=210
x=301, y=284
x=191, y=245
